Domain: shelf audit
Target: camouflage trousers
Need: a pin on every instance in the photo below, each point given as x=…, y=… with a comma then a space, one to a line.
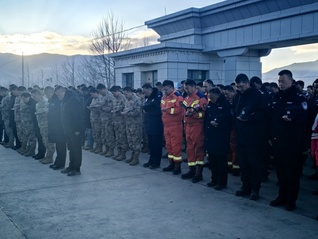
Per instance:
x=97, y=132
x=120, y=134
x=8, y=130
x=108, y=135
x=134, y=137
x=20, y=133
x=50, y=147
x=28, y=133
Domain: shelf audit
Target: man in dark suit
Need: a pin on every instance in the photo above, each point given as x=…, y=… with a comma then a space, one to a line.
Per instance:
x=72, y=122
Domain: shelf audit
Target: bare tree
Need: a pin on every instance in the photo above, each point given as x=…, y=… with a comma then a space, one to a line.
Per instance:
x=109, y=37
x=68, y=70
x=55, y=75
x=88, y=73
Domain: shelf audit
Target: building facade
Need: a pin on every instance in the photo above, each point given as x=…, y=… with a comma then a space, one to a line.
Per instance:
x=218, y=42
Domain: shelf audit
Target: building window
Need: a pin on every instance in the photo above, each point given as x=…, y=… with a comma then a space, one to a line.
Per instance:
x=128, y=80
x=197, y=75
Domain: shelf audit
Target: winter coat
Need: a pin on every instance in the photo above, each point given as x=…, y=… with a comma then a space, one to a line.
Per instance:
x=288, y=102
x=55, y=128
x=152, y=114
x=72, y=113
x=217, y=139
x=250, y=104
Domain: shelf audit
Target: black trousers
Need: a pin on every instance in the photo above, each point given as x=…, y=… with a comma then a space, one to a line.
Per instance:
x=218, y=167
x=74, y=144
x=288, y=169
x=155, y=147
x=41, y=147
x=251, y=165
x=60, y=159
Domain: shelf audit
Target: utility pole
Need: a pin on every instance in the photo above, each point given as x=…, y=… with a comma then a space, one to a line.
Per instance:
x=42, y=77
x=22, y=69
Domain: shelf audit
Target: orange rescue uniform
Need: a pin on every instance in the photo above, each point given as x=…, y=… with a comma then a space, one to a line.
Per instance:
x=194, y=127
x=172, y=115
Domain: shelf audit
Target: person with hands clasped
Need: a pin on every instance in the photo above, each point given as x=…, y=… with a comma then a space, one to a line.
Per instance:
x=288, y=111
x=195, y=104
x=249, y=112
x=217, y=128
x=172, y=115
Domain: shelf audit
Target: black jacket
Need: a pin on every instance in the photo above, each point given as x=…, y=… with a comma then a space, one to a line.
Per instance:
x=72, y=113
x=56, y=132
x=250, y=104
x=217, y=139
x=288, y=102
x=32, y=107
x=152, y=114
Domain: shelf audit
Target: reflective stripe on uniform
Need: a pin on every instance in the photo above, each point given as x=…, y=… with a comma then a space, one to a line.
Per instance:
x=172, y=111
x=192, y=163
x=177, y=158
x=170, y=156
x=195, y=103
x=196, y=163
x=200, y=115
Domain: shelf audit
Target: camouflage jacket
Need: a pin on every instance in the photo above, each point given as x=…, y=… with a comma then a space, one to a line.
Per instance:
x=25, y=113
x=133, y=109
x=95, y=108
x=118, y=107
x=18, y=102
x=42, y=109
x=5, y=107
x=107, y=102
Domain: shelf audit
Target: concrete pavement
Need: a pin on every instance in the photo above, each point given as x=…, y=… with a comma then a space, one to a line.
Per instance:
x=114, y=200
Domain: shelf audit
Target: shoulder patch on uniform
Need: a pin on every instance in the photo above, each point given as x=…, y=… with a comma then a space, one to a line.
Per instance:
x=177, y=93
x=200, y=94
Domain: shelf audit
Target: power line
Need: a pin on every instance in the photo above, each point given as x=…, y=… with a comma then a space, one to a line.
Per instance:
x=129, y=29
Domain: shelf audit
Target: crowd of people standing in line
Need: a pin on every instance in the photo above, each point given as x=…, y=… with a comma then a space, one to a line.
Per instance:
x=244, y=127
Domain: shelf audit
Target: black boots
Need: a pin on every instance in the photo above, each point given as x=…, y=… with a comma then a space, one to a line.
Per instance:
x=190, y=174
x=170, y=167
x=198, y=174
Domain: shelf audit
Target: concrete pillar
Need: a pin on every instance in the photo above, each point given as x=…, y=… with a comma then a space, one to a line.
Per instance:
x=242, y=60
x=251, y=66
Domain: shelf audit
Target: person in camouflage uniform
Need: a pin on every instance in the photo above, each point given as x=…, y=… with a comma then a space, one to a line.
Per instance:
x=145, y=143
x=119, y=124
x=42, y=119
x=133, y=121
x=96, y=122
x=18, y=105
x=108, y=135
x=14, y=93
x=5, y=107
x=28, y=121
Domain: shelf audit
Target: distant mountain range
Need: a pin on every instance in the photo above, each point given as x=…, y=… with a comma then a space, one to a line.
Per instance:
x=305, y=71
x=40, y=69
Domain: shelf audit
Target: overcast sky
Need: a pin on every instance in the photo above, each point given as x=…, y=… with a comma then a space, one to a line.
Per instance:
x=61, y=26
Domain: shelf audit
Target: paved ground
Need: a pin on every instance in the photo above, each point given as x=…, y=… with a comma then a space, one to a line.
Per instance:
x=114, y=200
